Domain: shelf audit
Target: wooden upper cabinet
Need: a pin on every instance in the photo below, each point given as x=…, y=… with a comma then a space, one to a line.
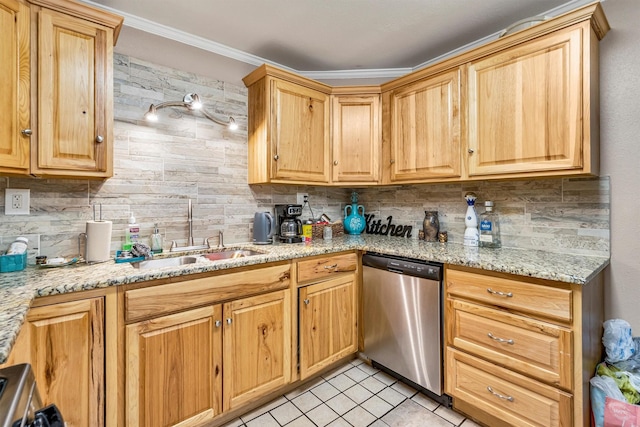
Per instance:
x=424, y=129
x=300, y=120
x=289, y=133
x=56, y=61
x=64, y=343
x=15, y=107
x=525, y=107
x=356, y=138
x=75, y=97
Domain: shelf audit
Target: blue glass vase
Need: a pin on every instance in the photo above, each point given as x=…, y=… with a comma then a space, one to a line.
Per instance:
x=354, y=221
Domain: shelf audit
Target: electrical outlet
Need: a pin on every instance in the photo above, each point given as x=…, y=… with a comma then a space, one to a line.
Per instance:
x=16, y=201
x=301, y=198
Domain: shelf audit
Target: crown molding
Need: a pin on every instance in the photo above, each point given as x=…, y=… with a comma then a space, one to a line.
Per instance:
x=155, y=28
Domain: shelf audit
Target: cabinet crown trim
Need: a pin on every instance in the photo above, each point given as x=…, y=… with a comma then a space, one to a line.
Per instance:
x=86, y=12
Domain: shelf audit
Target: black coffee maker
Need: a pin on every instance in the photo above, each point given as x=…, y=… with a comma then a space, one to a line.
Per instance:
x=288, y=225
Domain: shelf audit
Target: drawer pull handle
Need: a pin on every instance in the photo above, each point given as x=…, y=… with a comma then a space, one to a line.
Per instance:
x=502, y=294
x=330, y=267
x=508, y=398
x=509, y=341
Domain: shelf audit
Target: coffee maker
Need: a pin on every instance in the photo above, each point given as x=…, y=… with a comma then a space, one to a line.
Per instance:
x=288, y=225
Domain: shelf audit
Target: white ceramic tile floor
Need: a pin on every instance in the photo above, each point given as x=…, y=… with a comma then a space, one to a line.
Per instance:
x=354, y=395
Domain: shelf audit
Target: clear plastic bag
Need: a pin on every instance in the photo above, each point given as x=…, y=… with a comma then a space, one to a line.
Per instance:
x=601, y=388
x=618, y=341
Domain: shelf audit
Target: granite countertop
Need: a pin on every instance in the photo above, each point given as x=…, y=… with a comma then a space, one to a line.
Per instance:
x=18, y=289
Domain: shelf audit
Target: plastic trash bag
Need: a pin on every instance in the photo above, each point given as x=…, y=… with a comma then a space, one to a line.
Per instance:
x=601, y=388
x=618, y=342
x=620, y=414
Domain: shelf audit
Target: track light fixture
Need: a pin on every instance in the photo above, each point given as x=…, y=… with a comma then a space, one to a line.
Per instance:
x=190, y=101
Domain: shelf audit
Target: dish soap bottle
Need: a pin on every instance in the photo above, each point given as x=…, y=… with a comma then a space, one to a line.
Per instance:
x=489, y=227
x=156, y=240
x=131, y=234
x=471, y=236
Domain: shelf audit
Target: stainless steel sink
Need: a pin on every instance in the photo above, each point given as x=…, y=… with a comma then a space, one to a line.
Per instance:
x=230, y=254
x=164, y=262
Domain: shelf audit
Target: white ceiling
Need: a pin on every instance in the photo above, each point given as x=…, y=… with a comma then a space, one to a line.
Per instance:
x=330, y=40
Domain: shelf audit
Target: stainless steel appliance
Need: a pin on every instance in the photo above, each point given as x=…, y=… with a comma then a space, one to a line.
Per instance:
x=403, y=320
x=288, y=224
x=20, y=403
x=263, y=228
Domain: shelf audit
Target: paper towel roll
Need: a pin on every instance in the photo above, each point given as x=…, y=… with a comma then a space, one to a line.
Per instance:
x=98, y=240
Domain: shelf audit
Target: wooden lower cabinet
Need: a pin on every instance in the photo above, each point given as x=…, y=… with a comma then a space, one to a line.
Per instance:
x=257, y=347
x=188, y=367
x=520, y=351
x=328, y=323
x=64, y=343
x=174, y=368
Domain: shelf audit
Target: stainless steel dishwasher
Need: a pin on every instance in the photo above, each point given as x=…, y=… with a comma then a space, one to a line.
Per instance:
x=403, y=320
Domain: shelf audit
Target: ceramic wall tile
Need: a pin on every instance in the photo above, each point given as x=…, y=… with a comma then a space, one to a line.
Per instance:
x=159, y=166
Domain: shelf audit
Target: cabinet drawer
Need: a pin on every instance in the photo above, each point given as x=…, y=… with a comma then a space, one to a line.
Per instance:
x=530, y=298
x=529, y=346
x=319, y=268
x=511, y=397
x=163, y=299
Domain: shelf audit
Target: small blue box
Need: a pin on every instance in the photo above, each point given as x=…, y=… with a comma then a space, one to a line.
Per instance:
x=13, y=262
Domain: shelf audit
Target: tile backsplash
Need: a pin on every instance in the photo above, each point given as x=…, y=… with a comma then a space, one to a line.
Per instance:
x=159, y=166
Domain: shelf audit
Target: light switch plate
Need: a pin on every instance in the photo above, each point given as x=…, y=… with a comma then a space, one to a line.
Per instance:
x=16, y=201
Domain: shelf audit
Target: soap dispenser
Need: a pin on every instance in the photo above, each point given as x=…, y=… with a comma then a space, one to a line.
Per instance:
x=131, y=233
x=156, y=240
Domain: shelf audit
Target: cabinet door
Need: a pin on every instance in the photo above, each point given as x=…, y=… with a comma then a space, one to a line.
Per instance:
x=525, y=107
x=14, y=86
x=173, y=369
x=65, y=345
x=299, y=133
x=425, y=129
x=257, y=347
x=356, y=138
x=74, y=97
x=328, y=323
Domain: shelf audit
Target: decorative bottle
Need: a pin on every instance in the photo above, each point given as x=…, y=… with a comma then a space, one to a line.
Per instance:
x=431, y=226
x=489, y=227
x=354, y=222
x=471, y=236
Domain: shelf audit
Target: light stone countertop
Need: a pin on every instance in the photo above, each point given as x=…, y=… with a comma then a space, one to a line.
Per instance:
x=18, y=289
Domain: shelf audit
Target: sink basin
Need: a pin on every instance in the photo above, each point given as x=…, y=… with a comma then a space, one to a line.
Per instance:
x=164, y=262
x=230, y=254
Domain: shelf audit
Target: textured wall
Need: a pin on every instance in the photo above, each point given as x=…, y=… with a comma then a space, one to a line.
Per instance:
x=159, y=166
x=619, y=133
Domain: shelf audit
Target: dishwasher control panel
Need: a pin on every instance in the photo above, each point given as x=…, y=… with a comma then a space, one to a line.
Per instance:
x=417, y=268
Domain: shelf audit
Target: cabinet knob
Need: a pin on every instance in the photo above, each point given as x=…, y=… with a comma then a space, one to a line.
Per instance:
x=306, y=302
x=218, y=323
x=470, y=150
x=276, y=157
x=335, y=163
x=27, y=132
x=392, y=161
x=99, y=138
x=229, y=320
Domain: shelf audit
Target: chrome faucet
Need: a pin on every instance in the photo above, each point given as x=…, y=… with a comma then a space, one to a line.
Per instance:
x=190, y=243
x=190, y=223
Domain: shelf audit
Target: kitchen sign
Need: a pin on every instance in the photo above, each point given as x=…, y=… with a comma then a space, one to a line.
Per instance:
x=388, y=229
